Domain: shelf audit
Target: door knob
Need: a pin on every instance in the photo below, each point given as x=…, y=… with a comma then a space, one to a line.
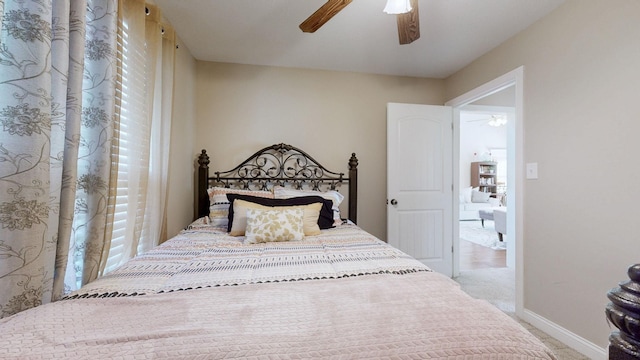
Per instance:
x=394, y=202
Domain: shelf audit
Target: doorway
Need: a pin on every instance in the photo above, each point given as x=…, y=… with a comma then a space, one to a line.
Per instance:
x=514, y=81
x=483, y=182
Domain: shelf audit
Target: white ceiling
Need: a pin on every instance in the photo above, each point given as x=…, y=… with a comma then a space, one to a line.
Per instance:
x=361, y=38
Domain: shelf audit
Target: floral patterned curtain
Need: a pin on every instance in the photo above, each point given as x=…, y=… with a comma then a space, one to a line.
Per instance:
x=57, y=83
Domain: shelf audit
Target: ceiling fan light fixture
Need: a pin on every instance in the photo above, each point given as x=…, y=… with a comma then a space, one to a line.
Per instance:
x=497, y=121
x=397, y=7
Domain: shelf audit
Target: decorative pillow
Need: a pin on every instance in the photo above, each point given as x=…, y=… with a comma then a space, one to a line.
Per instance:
x=479, y=196
x=281, y=224
x=311, y=213
x=325, y=220
x=219, y=204
x=287, y=193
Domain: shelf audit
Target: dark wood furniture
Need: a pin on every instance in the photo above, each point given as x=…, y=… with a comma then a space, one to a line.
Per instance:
x=484, y=176
x=624, y=312
x=278, y=164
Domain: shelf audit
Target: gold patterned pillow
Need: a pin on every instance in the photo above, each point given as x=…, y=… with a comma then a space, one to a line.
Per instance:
x=240, y=207
x=274, y=225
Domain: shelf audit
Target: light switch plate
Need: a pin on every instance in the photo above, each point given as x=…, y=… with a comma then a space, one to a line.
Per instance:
x=532, y=170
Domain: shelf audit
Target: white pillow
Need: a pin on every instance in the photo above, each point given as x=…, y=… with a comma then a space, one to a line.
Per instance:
x=286, y=193
x=479, y=196
x=465, y=195
x=274, y=225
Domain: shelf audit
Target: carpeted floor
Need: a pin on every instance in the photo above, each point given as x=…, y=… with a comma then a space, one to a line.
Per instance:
x=472, y=230
x=497, y=286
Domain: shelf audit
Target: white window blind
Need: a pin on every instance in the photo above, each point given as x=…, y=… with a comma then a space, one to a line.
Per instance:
x=145, y=105
x=133, y=144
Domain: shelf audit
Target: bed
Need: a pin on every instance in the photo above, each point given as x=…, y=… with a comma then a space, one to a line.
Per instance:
x=206, y=294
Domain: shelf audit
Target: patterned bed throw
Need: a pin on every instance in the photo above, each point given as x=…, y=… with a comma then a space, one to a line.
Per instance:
x=205, y=256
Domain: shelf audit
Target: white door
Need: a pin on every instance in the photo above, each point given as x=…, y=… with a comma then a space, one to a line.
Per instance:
x=420, y=183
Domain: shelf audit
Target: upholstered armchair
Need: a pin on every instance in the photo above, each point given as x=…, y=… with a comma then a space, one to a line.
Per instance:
x=500, y=221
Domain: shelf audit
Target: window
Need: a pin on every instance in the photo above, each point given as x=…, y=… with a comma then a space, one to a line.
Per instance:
x=133, y=146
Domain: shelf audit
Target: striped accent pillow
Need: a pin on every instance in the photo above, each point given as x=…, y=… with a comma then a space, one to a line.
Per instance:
x=219, y=204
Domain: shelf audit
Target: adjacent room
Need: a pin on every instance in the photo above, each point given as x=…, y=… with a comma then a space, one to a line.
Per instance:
x=483, y=182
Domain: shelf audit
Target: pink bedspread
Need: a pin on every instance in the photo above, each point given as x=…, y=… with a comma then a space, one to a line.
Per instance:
x=342, y=295
x=421, y=315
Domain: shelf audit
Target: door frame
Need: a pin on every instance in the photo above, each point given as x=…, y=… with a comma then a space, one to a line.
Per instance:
x=515, y=217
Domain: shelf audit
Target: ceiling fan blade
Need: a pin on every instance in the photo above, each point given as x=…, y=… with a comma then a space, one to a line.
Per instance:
x=409, y=25
x=323, y=14
x=476, y=120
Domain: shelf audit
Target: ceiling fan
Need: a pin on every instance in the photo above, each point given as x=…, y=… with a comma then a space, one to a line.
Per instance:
x=493, y=120
x=408, y=23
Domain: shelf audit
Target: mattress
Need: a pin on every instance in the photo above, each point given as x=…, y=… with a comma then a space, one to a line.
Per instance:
x=205, y=295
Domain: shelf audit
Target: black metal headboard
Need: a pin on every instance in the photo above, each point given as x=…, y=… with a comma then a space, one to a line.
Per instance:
x=278, y=164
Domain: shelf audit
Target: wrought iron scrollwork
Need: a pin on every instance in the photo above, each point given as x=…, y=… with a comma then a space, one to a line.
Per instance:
x=279, y=165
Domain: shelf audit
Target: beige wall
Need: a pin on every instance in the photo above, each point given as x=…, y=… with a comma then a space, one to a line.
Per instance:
x=581, y=124
x=242, y=108
x=183, y=130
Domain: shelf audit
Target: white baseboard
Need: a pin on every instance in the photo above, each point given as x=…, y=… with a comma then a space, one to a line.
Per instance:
x=579, y=344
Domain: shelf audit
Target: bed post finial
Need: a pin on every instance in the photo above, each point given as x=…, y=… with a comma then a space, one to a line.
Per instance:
x=353, y=161
x=624, y=312
x=353, y=188
x=203, y=159
x=202, y=201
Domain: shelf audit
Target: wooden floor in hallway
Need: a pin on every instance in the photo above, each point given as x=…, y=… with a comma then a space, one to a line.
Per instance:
x=474, y=256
